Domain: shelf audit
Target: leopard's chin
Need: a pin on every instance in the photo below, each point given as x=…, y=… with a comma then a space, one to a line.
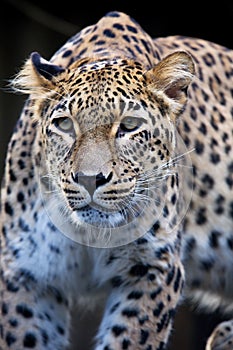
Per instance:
x=98, y=216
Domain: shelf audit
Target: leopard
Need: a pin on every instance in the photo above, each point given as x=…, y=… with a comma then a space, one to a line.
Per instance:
x=118, y=190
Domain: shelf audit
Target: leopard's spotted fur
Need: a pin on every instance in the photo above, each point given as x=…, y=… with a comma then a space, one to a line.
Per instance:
x=98, y=141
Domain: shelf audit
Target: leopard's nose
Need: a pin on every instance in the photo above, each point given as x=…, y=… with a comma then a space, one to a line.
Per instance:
x=91, y=183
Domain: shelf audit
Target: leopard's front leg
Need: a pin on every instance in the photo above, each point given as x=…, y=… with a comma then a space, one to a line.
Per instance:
x=140, y=310
x=32, y=317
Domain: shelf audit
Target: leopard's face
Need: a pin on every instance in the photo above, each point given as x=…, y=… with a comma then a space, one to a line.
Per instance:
x=106, y=138
x=107, y=144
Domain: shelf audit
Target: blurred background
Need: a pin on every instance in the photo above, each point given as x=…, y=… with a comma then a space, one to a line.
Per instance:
x=44, y=26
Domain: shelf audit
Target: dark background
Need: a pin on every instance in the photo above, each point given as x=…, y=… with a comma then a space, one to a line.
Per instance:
x=44, y=26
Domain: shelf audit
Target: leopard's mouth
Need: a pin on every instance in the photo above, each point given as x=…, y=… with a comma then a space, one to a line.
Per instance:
x=98, y=226
x=96, y=207
x=99, y=216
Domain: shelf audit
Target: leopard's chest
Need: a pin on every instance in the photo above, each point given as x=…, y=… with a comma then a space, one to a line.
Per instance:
x=54, y=259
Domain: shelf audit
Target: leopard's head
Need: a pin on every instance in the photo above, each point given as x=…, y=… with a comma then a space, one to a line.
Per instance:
x=106, y=137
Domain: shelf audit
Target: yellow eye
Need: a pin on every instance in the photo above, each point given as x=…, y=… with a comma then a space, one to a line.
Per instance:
x=130, y=123
x=64, y=124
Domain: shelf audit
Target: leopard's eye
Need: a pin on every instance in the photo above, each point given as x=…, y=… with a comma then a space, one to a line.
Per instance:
x=64, y=124
x=130, y=124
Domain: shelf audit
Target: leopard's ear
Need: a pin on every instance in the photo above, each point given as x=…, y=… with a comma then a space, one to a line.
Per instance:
x=36, y=76
x=171, y=78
